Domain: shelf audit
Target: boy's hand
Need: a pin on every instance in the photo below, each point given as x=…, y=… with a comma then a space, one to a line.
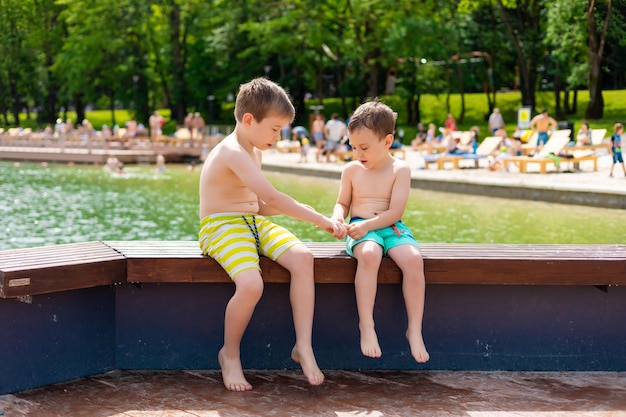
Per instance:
x=356, y=230
x=339, y=228
x=334, y=227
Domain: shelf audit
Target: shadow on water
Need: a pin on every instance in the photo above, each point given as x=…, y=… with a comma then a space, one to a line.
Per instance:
x=44, y=205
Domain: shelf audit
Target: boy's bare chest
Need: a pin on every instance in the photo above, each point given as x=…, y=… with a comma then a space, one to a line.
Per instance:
x=377, y=184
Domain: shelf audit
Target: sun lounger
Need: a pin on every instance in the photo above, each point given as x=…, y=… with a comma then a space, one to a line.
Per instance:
x=485, y=149
x=597, y=142
x=530, y=146
x=577, y=154
x=442, y=159
x=432, y=147
x=548, y=154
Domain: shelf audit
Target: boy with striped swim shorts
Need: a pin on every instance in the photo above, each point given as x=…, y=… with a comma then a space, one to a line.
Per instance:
x=374, y=191
x=235, y=199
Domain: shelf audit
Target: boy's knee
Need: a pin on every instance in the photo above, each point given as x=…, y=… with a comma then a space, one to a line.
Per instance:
x=370, y=256
x=297, y=258
x=249, y=286
x=416, y=262
x=301, y=256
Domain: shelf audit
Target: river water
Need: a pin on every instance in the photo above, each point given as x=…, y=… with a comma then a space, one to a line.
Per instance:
x=45, y=205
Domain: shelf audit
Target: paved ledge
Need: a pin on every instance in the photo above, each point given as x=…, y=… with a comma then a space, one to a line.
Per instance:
x=587, y=187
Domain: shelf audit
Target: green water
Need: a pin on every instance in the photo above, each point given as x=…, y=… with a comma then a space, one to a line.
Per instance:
x=60, y=204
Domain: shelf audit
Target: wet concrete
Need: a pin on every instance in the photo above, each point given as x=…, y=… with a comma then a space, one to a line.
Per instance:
x=344, y=393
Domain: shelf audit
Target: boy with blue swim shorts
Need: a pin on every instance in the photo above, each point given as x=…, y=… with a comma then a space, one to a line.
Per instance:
x=235, y=200
x=616, y=147
x=374, y=191
x=387, y=237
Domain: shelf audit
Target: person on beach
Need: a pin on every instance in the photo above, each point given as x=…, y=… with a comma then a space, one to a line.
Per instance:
x=318, y=129
x=374, y=191
x=235, y=199
x=543, y=124
x=616, y=147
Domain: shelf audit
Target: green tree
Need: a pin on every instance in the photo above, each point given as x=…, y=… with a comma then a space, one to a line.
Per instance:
x=18, y=63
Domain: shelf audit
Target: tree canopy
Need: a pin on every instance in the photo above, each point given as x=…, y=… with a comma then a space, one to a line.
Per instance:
x=191, y=55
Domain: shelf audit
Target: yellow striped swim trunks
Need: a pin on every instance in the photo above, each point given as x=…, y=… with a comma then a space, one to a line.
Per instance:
x=235, y=240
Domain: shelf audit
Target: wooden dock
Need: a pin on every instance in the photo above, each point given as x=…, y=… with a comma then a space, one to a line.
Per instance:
x=127, y=151
x=121, y=329
x=131, y=155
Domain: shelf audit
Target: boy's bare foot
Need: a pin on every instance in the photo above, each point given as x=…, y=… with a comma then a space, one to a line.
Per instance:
x=418, y=349
x=307, y=361
x=232, y=373
x=369, y=342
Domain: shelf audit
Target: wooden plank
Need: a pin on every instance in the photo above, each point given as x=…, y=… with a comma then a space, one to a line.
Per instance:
x=83, y=265
x=47, y=269
x=181, y=261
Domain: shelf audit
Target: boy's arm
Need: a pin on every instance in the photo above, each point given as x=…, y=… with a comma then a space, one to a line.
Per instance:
x=344, y=197
x=265, y=210
x=273, y=201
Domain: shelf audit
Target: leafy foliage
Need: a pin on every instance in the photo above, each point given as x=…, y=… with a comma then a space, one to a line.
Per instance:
x=175, y=54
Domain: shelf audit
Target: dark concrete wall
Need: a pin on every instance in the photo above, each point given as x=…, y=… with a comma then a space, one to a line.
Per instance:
x=73, y=334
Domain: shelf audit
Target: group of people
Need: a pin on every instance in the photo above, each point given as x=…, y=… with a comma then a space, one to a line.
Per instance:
x=196, y=125
x=236, y=201
x=328, y=137
x=542, y=124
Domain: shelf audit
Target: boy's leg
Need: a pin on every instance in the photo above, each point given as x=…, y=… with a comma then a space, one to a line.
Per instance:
x=411, y=263
x=239, y=310
x=368, y=254
x=298, y=260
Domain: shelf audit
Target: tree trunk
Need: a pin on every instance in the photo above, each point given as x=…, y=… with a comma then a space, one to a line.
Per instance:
x=79, y=105
x=411, y=84
x=178, y=106
x=566, y=103
x=418, y=113
x=15, y=108
x=558, y=88
x=112, y=107
x=49, y=107
x=373, y=89
x=525, y=62
x=459, y=76
x=595, y=108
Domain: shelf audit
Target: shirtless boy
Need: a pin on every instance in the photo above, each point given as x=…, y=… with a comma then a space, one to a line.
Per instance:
x=542, y=124
x=235, y=197
x=374, y=190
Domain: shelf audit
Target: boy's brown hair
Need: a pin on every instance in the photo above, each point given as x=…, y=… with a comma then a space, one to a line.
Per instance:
x=262, y=98
x=375, y=116
x=617, y=126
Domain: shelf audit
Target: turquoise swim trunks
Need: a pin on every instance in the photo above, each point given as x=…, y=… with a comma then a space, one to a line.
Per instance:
x=235, y=240
x=387, y=237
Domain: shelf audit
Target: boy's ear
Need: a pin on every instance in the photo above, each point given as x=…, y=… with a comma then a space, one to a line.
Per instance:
x=247, y=119
x=388, y=140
